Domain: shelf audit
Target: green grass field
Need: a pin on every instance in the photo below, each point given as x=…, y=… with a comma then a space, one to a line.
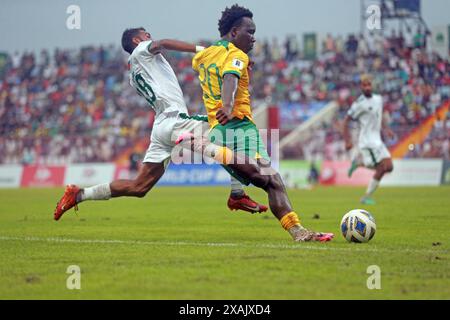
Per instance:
x=183, y=243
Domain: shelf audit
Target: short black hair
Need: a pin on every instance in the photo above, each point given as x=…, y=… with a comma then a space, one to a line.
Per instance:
x=232, y=17
x=127, y=38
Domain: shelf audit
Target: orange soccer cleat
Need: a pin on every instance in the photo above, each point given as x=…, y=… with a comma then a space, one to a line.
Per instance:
x=67, y=202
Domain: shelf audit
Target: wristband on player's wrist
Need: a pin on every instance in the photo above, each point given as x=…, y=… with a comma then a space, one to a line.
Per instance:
x=199, y=48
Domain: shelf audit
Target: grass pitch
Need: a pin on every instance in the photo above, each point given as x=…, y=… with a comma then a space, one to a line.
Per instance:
x=183, y=243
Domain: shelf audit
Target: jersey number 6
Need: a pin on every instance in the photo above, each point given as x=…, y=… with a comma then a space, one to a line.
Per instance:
x=145, y=89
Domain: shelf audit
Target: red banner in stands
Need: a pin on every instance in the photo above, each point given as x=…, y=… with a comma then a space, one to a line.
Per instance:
x=43, y=176
x=335, y=173
x=273, y=121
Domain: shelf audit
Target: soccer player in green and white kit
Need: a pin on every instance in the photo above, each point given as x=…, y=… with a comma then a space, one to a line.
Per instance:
x=373, y=154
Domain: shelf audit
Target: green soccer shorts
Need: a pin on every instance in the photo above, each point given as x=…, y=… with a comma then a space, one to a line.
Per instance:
x=243, y=138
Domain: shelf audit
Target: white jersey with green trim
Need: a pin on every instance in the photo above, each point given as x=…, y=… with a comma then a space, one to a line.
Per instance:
x=154, y=79
x=368, y=112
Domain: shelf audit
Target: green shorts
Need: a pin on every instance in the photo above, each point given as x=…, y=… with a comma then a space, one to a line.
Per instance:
x=242, y=137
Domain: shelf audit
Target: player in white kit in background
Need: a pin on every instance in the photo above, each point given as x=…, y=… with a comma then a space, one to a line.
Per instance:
x=372, y=153
x=154, y=79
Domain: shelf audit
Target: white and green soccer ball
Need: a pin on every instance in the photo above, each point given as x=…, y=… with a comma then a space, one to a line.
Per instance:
x=358, y=226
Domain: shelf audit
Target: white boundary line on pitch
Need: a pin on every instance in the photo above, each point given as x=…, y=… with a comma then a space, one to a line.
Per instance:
x=209, y=244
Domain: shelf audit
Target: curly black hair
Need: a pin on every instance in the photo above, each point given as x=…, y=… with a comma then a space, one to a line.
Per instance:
x=232, y=17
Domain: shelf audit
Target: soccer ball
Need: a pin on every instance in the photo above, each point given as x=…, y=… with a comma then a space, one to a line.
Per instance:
x=358, y=226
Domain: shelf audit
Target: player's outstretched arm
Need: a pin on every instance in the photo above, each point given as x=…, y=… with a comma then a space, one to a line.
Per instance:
x=174, y=45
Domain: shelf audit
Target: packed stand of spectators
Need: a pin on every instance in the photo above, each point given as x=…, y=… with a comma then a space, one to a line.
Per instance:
x=74, y=106
x=412, y=81
x=437, y=144
x=77, y=105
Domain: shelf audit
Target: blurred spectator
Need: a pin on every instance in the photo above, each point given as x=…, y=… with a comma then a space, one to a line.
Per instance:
x=351, y=45
x=134, y=162
x=313, y=176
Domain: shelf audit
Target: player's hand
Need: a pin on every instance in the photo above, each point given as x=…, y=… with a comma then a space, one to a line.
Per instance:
x=348, y=145
x=222, y=116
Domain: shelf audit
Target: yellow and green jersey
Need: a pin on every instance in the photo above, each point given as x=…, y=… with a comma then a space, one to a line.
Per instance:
x=212, y=64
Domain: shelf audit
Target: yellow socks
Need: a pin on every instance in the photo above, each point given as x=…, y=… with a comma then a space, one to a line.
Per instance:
x=223, y=155
x=291, y=223
x=290, y=220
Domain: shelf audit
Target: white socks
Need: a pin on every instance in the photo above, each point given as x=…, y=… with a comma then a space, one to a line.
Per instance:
x=373, y=185
x=236, y=187
x=98, y=192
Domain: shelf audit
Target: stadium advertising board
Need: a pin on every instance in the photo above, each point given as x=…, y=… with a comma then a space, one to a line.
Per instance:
x=407, y=172
x=446, y=172
x=335, y=173
x=295, y=173
x=89, y=173
x=122, y=172
x=195, y=174
x=42, y=176
x=415, y=172
x=10, y=176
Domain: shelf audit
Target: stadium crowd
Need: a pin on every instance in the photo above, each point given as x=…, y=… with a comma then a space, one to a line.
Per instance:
x=412, y=81
x=77, y=106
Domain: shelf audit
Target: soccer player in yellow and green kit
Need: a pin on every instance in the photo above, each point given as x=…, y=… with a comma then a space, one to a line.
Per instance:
x=224, y=77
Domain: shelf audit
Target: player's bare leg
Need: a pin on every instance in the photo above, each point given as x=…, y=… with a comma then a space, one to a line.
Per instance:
x=385, y=166
x=263, y=176
x=148, y=176
x=238, y=199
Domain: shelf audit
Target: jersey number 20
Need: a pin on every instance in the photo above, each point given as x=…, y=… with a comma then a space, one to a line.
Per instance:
x=207, y=79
